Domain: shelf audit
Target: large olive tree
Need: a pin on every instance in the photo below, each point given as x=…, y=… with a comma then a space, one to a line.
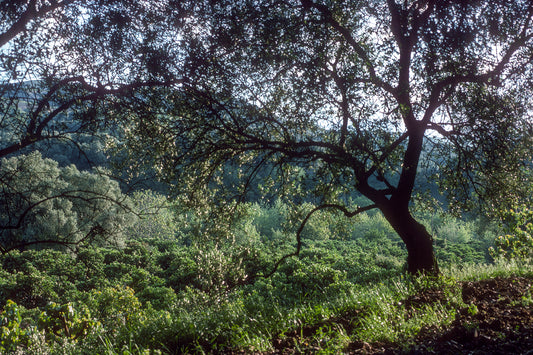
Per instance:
x=364, y=93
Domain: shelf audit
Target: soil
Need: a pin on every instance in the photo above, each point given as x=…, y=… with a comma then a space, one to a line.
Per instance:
x=498, y=320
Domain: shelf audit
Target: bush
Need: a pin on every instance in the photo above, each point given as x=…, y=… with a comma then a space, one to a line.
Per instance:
x=12, y=335
x=518, y=242
x=65, y=321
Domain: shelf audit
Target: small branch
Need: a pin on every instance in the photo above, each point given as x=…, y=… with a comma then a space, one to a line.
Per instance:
x=95, y=230
x=344, y=32
x=386, y=153
x=343, y=209
x=441, y=130
x=346, y=117
x=31, y=13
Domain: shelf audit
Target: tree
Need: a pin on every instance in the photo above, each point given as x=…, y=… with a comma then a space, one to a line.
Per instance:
x=354, y=90
x=42, y=204
x=51, y=90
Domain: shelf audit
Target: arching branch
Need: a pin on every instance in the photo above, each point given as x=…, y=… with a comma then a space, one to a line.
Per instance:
x=35, y=128
x=341, y=208
x=30, y=14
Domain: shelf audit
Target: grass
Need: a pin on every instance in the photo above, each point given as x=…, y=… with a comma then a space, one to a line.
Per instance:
x=375, y=313
x=260, y=317
x=500, y=268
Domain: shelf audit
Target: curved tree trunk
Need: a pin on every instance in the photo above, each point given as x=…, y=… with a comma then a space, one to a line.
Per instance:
x=420, y=254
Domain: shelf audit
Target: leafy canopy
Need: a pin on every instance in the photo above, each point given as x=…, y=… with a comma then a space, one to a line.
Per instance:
x=43, y=204
x=350, y=89
x=354, y=91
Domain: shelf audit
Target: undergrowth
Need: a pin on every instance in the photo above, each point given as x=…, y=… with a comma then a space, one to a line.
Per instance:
x=260, y=318
x=188, y=295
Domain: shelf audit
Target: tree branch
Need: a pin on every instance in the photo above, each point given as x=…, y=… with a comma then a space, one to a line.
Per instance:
x=31, y=13
x=344, y=32
x=35, y=128
x=490, y=77
x=343, y=209
x=68, y=195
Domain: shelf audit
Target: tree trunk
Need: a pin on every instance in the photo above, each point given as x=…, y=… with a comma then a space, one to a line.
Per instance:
x=420, y=254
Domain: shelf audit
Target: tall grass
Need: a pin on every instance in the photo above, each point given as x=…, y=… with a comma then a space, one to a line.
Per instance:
x=374, y=313
x=500, y=268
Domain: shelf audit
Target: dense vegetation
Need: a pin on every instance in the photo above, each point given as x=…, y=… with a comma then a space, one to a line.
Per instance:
x=262, y=175
x=172, y=288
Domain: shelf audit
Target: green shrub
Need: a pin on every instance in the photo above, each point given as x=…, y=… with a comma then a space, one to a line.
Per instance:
x=65, y=321
x=159, y=297
x=518, y=242
x=114, y=305
x=12, y=335
x=57, y=206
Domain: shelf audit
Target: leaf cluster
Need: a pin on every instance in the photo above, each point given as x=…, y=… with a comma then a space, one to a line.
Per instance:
x=44, y=204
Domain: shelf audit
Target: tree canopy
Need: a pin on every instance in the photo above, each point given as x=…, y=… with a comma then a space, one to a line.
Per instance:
x=354, y=90
x=42, y=204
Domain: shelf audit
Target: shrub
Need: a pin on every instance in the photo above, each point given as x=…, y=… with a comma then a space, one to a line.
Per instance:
x=518, y=242
x=64, y=320
x=42, y=204
x=12, y=333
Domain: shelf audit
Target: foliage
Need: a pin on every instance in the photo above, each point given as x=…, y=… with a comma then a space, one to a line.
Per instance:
x=43, y=204
x=156, y=217
x=44, y=99
x=34, y=278
x=518, y=242
x=326, y=97
x=13, y=334
x=65, y=320
x=186, y=295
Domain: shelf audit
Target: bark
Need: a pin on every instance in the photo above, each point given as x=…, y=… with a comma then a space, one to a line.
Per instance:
x=419, y=242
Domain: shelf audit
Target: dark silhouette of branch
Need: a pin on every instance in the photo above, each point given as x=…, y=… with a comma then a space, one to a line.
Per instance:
x=93, y=233
x=345, y=32
x=84, y=195
x=68, y=195
x=343, y=209
x=31, y=13
x=34, y=131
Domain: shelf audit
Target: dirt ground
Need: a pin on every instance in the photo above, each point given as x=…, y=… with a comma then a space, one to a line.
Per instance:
x=499, y=320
